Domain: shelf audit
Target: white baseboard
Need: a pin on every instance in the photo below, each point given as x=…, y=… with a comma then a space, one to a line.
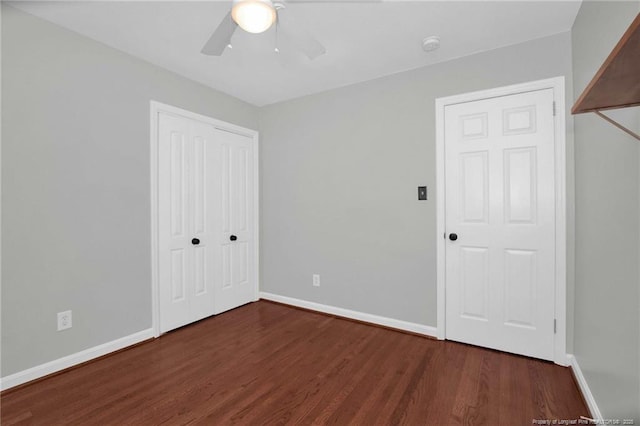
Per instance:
x=346, y=313
x=73, y=359
x=584, y=387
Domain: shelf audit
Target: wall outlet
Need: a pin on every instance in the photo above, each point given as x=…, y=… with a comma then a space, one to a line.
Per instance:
x=64, y=320
x=316, y=280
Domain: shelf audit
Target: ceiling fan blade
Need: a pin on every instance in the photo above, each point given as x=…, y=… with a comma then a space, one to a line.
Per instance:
x=221, y=37
x=299, y=37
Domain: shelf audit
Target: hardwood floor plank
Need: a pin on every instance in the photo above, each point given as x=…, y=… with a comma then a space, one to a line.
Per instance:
x=489, y=393
x=416, y=370
x=426, y=388
x=266, y=363
x=383, y=370
x=329, y=359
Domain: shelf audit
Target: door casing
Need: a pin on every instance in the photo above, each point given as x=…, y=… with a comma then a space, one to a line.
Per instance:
x=557, y=85
x=155, y=109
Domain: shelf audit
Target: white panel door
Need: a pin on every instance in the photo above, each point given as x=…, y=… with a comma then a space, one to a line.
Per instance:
x=236, y=248
x=175, y=253
x=206, y=242
x=188, y=192
x=204, y=215
x=500, y=204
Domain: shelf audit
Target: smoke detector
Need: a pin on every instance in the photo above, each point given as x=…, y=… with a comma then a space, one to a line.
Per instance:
x=430, y=44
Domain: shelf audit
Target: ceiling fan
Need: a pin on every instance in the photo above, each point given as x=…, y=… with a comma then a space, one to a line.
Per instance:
x=257, y=16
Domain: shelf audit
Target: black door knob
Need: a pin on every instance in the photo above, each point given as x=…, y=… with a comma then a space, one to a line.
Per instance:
x=195, y=241
x=453, y=237
x=233, y=238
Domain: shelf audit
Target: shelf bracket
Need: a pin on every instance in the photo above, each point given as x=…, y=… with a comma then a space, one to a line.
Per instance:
x=618, y=125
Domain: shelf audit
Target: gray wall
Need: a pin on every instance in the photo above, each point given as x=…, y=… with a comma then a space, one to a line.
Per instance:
x=339, y=175
x=75, y=186
x=607, y=320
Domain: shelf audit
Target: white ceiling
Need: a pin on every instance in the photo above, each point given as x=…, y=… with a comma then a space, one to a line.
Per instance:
x=363, y=40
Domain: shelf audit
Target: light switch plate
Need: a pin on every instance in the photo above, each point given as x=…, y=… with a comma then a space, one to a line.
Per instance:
x=422, y=193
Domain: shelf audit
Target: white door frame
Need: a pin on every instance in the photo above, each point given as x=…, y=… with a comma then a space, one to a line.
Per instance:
x=557, y=85
x=156, y=108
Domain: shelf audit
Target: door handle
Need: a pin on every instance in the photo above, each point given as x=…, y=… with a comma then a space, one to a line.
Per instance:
x=453, y=236
x=195, y=241
x=233, y=238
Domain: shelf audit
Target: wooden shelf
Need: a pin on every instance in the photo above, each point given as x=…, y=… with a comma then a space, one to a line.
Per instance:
x=617, y=82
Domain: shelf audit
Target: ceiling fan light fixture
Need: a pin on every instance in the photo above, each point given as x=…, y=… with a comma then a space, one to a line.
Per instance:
x=253, y=16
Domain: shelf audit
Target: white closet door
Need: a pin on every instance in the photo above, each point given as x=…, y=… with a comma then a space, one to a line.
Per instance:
x=500, y=203
x=205, y=214
x=206, y=220
x=188, y=191
x=236, y=249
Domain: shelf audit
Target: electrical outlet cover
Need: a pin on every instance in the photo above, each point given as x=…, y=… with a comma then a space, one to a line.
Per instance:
x=64, y=320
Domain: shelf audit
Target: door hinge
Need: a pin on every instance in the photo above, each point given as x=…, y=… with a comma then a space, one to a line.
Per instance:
x=555, y=326
x=554, y=108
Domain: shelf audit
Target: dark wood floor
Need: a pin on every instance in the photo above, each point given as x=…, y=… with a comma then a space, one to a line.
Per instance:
x=266, y=363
